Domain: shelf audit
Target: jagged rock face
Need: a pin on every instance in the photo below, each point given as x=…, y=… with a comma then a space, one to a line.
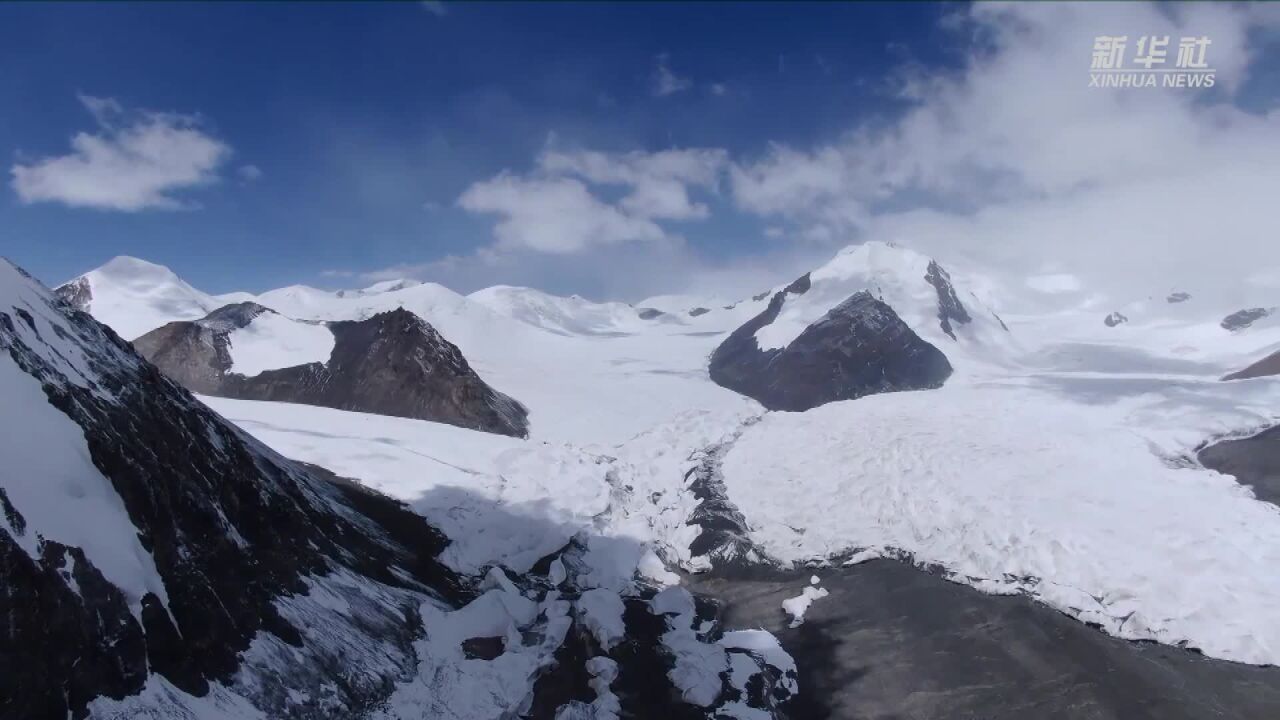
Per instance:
x=1269, y=365
x=1242, y=319
x=76, y=293
x=1114, y=319
x=231, y=527
x=858, y=348
x=950, y=309
x=1178, y=297
x=393, y=363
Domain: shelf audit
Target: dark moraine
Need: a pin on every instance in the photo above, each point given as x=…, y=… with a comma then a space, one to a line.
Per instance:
x=1254, y=461
x=895, y=642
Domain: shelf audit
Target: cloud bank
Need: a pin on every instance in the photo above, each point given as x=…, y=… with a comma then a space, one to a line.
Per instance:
x=1010, y=160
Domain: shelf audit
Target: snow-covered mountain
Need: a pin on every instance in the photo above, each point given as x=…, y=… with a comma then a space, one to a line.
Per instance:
x=572, y=315
x=134, y=296
x=393, y=363
x=1036, y=452
x=158, y=562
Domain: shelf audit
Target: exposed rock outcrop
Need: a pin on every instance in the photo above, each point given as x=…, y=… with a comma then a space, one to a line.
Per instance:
x=1114, y=319
x=393, y=363
x=76, y=293
x=1269, y=365
x=858, y=348
x=1178, y=297
x=233, y=531
x=1242, y=319
x=950, y=309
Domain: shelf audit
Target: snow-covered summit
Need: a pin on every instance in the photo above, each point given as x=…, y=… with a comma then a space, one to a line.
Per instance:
x=134, y=296
x=937, y=304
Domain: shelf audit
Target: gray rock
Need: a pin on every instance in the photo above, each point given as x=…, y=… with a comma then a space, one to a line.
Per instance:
x=393, y=363
x=1242, y=319
x=1114, y=319
x=1178, y=297
x=950, y=309
x=858, y=348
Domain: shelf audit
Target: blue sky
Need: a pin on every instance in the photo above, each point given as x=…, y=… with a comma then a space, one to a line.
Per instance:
x=368, y=121
x=333, y=144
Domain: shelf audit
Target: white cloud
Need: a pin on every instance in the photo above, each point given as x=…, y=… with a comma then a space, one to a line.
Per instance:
x=134, y=161
x=553, y=215
x=1010, y=162
x=435, y=7
x=249, y=173
x=665, y=81
x=1015, y=162
x=659, y=181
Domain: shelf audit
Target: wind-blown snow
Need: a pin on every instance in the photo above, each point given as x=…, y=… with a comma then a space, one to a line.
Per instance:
x=272, y=341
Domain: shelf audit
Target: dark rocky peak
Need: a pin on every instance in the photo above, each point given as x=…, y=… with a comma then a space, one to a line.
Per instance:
x=76, y=293
x=858, y=348
x=244, y=545
x=649, y=313
x=699, y=311
x=233, y=316
x=1242, y=319
x=950, y=309
x=1114, y=319
x=1178, y=297
x=799, y=286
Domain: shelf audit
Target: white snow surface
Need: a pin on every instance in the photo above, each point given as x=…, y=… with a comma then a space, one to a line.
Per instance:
x=134, y=297
x=797, y=606
x=272, y=341
x=896, y=276
x=1013, y=488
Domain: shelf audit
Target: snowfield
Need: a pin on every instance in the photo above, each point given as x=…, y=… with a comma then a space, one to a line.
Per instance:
x=1013, y=489
x=1057, y=461
x=273, y=341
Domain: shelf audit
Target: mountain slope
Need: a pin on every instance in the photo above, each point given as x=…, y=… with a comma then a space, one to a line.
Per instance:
x=145, y=540
x=134, y=296
x=858, y=348
x=392, y=363
x=156, y=562
x=876, y=318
